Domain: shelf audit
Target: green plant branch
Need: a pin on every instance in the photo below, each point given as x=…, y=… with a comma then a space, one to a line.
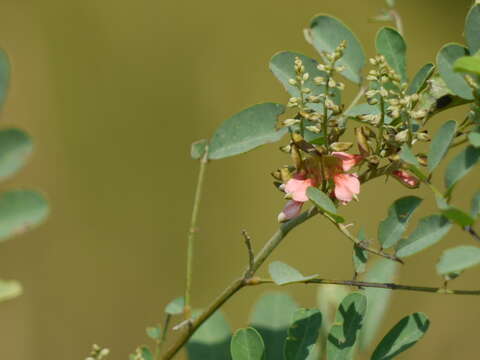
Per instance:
x=192, y=231
x=268, y=248
x=343, y=229
x=366, y=284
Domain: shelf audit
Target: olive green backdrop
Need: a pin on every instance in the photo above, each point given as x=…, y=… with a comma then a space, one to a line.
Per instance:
x=114, y=92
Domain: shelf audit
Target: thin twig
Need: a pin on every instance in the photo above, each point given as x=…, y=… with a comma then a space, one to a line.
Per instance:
x=398, y=21
x=343, y=229
x=192, y=231
x=389, y=286
x=251, y=255
x=472, y=232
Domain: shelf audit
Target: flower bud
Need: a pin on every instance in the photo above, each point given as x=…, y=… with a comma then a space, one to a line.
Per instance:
x=362, y=142
x=341, y=146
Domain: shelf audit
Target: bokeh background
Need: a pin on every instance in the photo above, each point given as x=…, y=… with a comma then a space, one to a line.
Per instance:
x=114, y=92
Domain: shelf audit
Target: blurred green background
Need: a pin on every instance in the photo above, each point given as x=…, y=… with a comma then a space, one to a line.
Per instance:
x=114, y=92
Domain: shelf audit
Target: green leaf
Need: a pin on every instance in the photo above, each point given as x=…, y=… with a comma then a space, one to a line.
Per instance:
x=329, y=298
x=10, y=289
x=472, y=29
x=4, y=77
x=21, y=210
x=458, y=216
x=406, y=333
x=175, y=307
x=247, y=130
x=324, y=202
x=383, y=271
x=476, y=204
x=469, y=64
x=197, y=150
x=153, y=332
x=271, y=318
x=440, y=144
x=429, y=231
x=283, y=274
x=327, y=33
x=212, y=340
x=391, y=44
x=146, y=353
x=303, y=334
x=247, y=344
x=419, y=82
x=392, y=228
x=455, y=81
x=457, y=259
x=461, y=165
x=15, y=147
x=282, y=66
x=474, y=137
x=360, y=256
x=407, y=155
x=344, y=332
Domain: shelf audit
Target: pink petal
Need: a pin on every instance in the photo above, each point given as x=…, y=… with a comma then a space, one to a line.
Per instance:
x=346, y=187
x=297, y=188
x=292, y=209
x=348, y=160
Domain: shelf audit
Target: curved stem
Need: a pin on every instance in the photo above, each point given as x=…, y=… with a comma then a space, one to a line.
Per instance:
x=398, y=21
x=267, y=249
x=192, y=231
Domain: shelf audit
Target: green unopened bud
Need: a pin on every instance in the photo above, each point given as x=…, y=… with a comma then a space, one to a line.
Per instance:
x=313, y=128
x=362, y=142
x=319, y=80
x=340, y=86
x=341, y=146
x=402, y=136
x=422, y=159
x=423, y=136
x=373, y=160
x=332, y=83
x=290, y=122
x=292, y=81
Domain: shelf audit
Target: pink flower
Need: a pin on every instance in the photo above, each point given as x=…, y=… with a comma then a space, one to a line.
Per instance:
x=348, y=160
x=347, y=187
x=406, y=179
x=292, y=209
x=297, y=188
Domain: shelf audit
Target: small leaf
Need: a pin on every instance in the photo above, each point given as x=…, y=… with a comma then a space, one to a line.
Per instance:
x=271, y=318
x=4, y=77
x=247, y=344
x=283, y=274
x=476, y=204
x=197, y=149
x=461, y=166
x=146, y=353
x=247, y=130
x=391, y=44
x=469, y=64
x=455, y=81
x=325, y=204
x=212, y=340
x=472, y=29
x=10, y=289
x=383, y=271
x=303, y=334
x=392, y=228
x=344, y=332
x=327, y=33
x=440, y=144
x=458, y=216
x=474, y=137
x=429, y=231
x=419, y=82
x=402, y=336
x=282, y=66
x=21, y=210
x=154, y=332
x=175, y=307
x=457, y=259
x=360, y=256
x=15, y=147
x=407, y=155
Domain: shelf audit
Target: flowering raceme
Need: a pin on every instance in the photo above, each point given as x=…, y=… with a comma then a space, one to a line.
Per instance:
x=346, y=185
